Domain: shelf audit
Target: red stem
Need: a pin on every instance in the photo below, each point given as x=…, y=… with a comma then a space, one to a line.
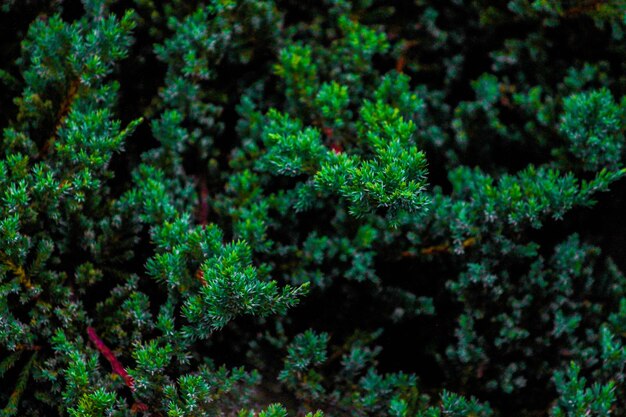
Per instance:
x=108, y=354
x=138, y=406
x=336, y=148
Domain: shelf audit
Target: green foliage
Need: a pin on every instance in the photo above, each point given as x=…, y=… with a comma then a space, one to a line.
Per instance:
x=335, y=208
x=579, y=400
x=393, y=180
x=455, y=405
x=592, y=122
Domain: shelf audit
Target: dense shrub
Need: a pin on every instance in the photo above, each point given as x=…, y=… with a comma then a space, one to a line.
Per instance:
x=403, y=208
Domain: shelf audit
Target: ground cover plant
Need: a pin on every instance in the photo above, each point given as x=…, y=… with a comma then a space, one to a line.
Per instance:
x=403, y=208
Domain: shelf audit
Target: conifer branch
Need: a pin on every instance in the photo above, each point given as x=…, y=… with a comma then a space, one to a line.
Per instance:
x=11, y=408
x=446, y=247
x=108, y=354
x=17, y=270
x=64, y=110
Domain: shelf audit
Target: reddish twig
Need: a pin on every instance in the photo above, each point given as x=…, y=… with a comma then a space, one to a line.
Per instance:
x=108, y=354
x=441, y=248
x=401, y=61
x=336, y=148
x=328, y=131
x=138, y=406
x=21, y=346
x=64, y=110
x=200, y=276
